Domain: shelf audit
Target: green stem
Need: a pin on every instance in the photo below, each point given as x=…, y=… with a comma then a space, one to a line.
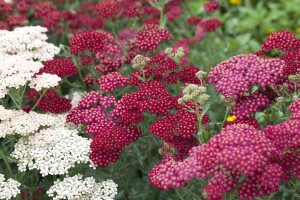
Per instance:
x=15, y=102
x=41, y=96
x=225, y=117
x=2, y=155
x=21, y=97
x=178, y=194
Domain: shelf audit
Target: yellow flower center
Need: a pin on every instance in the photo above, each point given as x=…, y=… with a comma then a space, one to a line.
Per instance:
x=231, y=118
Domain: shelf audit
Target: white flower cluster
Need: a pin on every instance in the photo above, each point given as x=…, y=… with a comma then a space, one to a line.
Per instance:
x=45, y=81
x=21, y=53
x=9, y=188
x=28, y=43
x=52, y=151
x=75, y=188
x=15, y=72
x=20, y=122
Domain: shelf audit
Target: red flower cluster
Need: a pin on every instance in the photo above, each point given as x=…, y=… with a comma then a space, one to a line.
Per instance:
x=87, y=40
x=283, y=40
x=109, y=137
x=287, y=42
x=62, y=67
x=211, y=6
x=109, y=82
x=150, y=37
x=239, y=154
x=50, y=102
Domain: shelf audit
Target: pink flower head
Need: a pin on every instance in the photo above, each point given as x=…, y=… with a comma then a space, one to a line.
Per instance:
x=234, y=76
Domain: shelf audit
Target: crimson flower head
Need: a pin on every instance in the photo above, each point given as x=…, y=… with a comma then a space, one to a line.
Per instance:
x=108, y=8
x=283, y=40
x=210, y=25
x=87, y=40
x=62, y=67
x=150, y=37
x=110, y=81
x=211, y=6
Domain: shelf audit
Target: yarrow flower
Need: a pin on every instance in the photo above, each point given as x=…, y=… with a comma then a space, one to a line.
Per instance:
x=22, y=123
x=77, y=187
x=28, y=43
x=240, y=153
x=234, y=76
x=109, y=82
x=150, y=37
x=52, y=151
x=44, y=81
x=8, y=188
x=211, y=6
x=22, y=52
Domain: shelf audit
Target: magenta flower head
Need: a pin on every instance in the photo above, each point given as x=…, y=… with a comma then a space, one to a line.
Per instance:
x=233, y=77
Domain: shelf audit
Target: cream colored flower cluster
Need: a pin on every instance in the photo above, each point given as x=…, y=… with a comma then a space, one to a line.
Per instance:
x=52, y=151
x=22, y=123
x=8, y=188
x=28, y=43
x=22, y=52
x=84, y=189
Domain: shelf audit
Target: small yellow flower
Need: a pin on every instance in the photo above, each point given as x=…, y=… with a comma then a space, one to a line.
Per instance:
x=235, y=2
x=298, y=30
x=270, y=30
x=231, y=118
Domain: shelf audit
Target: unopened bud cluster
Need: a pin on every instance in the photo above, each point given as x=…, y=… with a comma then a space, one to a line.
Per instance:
x=194, y=93
x=179, y=53
x=140, y=61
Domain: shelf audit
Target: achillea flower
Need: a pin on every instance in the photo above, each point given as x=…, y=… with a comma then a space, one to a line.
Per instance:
x=62, y=67
x=150, y=37
x=8, y=188
x=283, y=40
x=246, y=105
x=111, y=58
x=109, y=82
x=209, y=25
x=234, y=76
x=87, y=40
x=107, y=146
x=52, y=151
x=44, y=81
x=238, y=151
x=22, y=123
x=295, y=109
x=242, y=120
x=211, y=6
x=48, y=13
x=174, y=13
x=88, y=80
x=193, y=20
x=53, y=103
x=108, y=8
x=86, y=189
